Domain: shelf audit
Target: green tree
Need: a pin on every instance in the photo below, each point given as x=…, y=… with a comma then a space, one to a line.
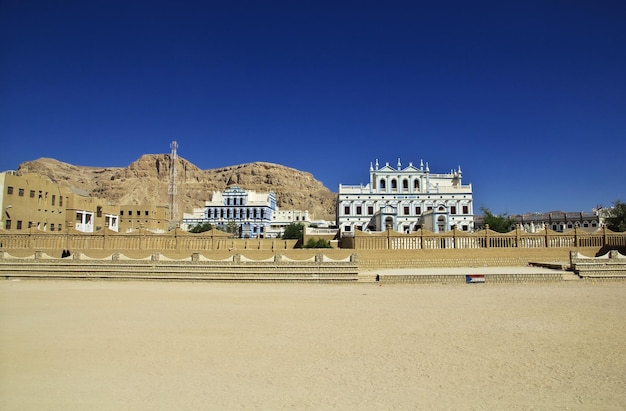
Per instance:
x=319, y=243
x=616, y=217
x=294, y=231
x=501, y=223
x=201, y=228
x=232, y=228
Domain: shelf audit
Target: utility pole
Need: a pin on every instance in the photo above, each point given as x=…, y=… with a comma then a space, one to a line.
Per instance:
x=173, y=190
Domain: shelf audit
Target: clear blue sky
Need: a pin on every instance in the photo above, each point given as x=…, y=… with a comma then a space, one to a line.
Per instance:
x=528, y=97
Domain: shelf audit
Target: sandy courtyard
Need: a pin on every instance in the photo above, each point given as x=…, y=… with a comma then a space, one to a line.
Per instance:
x=115, y=345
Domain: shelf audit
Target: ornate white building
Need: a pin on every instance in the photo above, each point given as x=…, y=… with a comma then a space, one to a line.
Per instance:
x=406, y=199
x=250, y=210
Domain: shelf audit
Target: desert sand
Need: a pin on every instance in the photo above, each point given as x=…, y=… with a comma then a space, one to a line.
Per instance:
x=126, y=345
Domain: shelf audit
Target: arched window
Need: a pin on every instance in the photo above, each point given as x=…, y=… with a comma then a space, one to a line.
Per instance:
x=394, y=184
x=405, y=184
x=416, y=185
x=383, y=185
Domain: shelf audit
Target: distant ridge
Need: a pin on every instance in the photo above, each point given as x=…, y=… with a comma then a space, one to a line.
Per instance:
x=146, y=180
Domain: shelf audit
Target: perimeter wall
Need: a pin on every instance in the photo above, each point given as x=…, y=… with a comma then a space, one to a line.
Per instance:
x=381, y=250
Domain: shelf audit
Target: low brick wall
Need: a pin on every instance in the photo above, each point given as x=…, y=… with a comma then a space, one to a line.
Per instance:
x=460, y=278
x=493, y=257
x=319, y=269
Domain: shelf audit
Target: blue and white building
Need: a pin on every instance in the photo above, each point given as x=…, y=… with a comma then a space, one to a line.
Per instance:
x=406, y=199
x=251, y=211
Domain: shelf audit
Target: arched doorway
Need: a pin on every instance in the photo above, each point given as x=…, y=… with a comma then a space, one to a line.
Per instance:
x=441, y=224
x=389, y=223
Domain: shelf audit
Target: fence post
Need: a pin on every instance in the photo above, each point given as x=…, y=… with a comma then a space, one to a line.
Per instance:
x=487, y=245
x=454, y=238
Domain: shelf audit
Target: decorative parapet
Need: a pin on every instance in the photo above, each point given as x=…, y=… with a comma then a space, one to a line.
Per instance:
x=612, y=264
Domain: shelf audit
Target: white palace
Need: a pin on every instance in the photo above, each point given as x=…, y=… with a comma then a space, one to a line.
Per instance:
x=406, y=199
x=251, y=211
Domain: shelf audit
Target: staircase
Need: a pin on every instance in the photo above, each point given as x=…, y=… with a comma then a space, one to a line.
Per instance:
x=367, y=277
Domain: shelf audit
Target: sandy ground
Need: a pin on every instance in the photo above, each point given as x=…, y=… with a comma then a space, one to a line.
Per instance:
x=115, y=345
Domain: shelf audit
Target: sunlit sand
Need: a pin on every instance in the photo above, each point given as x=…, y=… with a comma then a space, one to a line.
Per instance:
x=125, y=345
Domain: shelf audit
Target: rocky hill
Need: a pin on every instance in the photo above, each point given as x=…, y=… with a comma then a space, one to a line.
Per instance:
x=147, y=181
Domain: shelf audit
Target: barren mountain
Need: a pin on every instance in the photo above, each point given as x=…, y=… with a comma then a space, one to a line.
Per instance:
x=147, y=181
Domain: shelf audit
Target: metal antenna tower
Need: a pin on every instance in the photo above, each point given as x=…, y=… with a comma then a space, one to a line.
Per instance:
x=173, y=191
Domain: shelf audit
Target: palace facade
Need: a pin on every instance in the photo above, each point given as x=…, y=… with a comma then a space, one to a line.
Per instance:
x=251, y=211
x=406, y=199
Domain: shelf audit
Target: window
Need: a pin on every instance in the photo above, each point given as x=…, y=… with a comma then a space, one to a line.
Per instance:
x=452, y=209
x=465, y=209
x=21, y=192
x=121, y=212
x=418, y=210
x=54, y=199
x=19, y=224
x=394, y=184
x=347, y=228
x=99, y=211
x=32, y=194
x=370, y=210
x=346, y=210
x=429, y=208
x=146, y=213
x=130, y=212
x=358, y=210
x=79, y=218
x=9, y=190
x=60, y=227
x=30, y=224
x=383, y=185
x=60, y=201
x=7, y=224
x=416, y=185
x=405, y=184
x=406, y=210
x=51, y=226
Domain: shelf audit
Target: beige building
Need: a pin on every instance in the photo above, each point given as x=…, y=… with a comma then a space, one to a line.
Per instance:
x=32, y=201
x=151, y=217
x=91, y=214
